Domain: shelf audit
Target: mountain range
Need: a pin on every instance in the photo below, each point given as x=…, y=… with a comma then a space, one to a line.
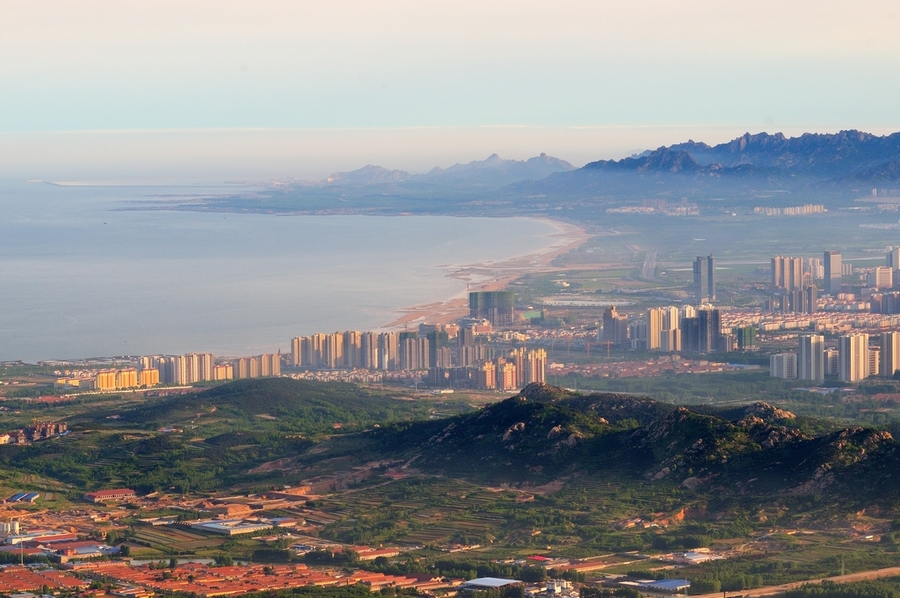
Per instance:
x=811, y=161
x=491, y=172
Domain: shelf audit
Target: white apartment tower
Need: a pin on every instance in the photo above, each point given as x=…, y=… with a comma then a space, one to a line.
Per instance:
x=853, y=357
x=811, y=357
x=783, y=365
x=890, y=353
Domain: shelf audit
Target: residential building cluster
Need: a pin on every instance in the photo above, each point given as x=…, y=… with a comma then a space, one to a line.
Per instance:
x=659, y=206
x=15, y=580
x=205, y=581
x=667, y=364
x=178, y=370
x=454, y=355
x=794, y=284
x=36, y=431
x=515, y=370
x=853, y=359
x=803, y=210
x=668, y=329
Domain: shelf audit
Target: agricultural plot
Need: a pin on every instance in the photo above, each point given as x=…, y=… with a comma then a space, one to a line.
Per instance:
x=172, y=539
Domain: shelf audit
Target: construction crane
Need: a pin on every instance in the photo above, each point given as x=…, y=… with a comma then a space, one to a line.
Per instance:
x=607, y=343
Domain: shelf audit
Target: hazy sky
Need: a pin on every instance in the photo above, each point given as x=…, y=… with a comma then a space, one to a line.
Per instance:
x=217, y=84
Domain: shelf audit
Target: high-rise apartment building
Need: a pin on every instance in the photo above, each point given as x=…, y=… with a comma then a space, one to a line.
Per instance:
x=369, y=351
x=223, y=371
x=881, y=278
x=268, y=364
x=890, y=353
x=704, y=279
x=615, y=326
x=853, y=357
x=783, y=365
x=414, y=353
x=506, y=376
x=832, y=362
x=670, y=318
x=814, y=266
x=661, y=329
x=892, y=259
x=874, y=361
x=787, y=273
x=296, y=350
x=148, y=377
x=670, y=341
x=389, y=351
x=654, y=328
x=499, y=307
x=535, y=367
x=702, y=334
x=833, y=272
x=333, y=350
x=811, y=357
x=746, y=337
x=352, y=349
x=485, y=376
x=710, y=330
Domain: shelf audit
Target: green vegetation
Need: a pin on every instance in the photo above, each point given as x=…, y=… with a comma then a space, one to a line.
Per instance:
x=225, y=432
x=741, y=387
x=545, y=472
x=882, y=588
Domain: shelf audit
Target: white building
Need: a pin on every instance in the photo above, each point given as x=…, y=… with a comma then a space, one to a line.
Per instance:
x=853, y=357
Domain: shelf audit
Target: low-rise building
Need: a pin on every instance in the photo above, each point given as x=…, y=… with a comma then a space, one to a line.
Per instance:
x=111, y=494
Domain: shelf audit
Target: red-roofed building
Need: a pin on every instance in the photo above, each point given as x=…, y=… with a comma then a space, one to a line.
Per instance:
x=111, y=494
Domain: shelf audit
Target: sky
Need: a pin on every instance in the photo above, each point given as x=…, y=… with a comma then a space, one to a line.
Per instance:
x=96, y=88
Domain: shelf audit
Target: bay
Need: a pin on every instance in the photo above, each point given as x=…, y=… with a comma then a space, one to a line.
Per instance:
x=83, y=275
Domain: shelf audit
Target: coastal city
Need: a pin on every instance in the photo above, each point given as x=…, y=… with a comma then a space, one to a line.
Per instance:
x=848, y=330
x=449, y=299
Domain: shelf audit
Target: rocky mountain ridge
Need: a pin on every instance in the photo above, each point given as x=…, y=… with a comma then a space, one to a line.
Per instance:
x=545, y=432
x=771, y=161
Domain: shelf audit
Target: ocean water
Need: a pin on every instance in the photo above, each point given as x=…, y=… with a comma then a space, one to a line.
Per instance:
x=82, y=277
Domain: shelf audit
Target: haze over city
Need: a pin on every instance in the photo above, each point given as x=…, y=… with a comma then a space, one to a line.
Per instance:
x=483, y=299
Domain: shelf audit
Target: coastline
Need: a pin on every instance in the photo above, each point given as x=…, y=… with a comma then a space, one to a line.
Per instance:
x=492, y=276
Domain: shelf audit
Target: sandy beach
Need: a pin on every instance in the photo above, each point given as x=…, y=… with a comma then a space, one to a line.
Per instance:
x=492, y=276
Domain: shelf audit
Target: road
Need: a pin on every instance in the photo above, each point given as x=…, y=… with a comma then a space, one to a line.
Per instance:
x=648, y=271
x=770, y=590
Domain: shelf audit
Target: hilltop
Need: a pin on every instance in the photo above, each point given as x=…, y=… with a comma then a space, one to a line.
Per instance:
x=545, y=433
x=301, y=405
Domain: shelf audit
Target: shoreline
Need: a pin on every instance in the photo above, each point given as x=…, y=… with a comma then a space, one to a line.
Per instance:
x=492, y=276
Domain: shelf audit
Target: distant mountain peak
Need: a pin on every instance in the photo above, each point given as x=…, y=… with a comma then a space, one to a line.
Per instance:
x=368, y=174
x=493, y=171
x=750, y=161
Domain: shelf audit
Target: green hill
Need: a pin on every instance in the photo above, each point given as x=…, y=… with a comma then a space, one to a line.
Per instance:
x=545, y=433
x=300, y=406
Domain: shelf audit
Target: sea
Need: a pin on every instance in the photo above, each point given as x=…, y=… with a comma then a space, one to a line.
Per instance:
x=87, y=270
